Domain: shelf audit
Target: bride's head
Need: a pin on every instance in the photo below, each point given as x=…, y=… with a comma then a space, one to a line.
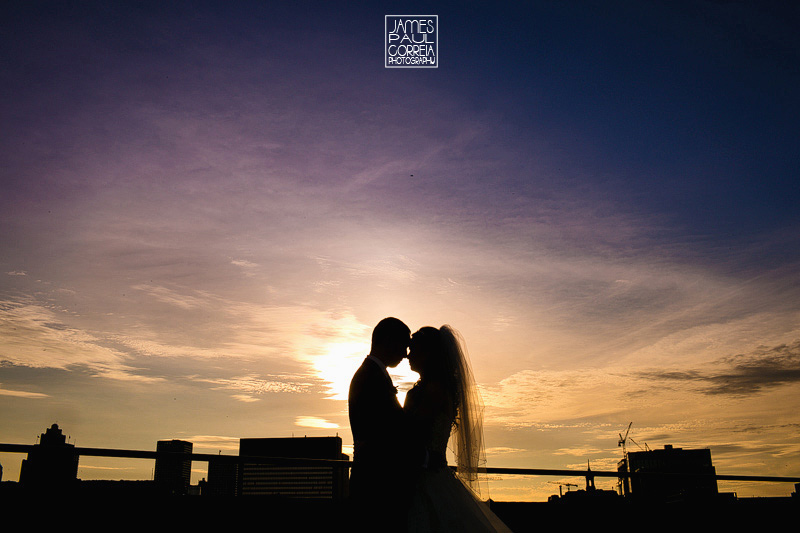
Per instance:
x=426, y=345
x=428, y=356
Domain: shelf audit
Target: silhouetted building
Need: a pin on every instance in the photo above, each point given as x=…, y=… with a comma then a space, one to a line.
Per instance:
x=223, y=478
x=293, y=480
x=591, y=495
x=580, y=496
x=52, y=463
x=687, y=474
x=174, y=469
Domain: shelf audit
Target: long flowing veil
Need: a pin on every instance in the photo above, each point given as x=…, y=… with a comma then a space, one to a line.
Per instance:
x=467, y=432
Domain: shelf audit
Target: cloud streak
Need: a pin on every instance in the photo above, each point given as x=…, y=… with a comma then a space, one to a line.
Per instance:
x=743, y=374
x=22, y=394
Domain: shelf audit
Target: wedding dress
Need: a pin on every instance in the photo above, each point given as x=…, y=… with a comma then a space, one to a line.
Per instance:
x=444, y=500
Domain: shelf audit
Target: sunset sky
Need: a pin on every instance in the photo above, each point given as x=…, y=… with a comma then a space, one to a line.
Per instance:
x=207, y=206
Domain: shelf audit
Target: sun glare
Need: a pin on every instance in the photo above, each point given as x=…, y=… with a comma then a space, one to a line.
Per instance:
x=340, y=361
x=337, y=365
x=404, y=378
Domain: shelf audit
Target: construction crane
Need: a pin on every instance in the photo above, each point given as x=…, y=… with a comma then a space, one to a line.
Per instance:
x=623, y=439
x=562, y=485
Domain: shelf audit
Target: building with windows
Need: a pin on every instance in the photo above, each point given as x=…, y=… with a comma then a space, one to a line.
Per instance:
x=173, y=468
x=291, y=479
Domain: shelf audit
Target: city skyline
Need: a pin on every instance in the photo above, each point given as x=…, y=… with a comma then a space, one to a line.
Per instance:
x=207, y=207
x=57, y=463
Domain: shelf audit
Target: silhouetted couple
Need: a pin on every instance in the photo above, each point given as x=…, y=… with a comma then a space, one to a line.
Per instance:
x=399, y=480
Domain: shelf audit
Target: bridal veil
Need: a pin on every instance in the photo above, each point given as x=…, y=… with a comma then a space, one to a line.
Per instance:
x=467, y=432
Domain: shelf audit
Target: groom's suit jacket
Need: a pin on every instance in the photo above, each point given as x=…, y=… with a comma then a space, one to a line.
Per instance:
x=379, y=432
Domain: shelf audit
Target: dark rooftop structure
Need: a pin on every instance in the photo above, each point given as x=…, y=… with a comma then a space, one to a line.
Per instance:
x=687, y=475
x=174, y=468
x=51, y=464
x=318, y=481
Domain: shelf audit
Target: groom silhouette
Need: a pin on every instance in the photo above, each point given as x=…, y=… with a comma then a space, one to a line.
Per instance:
x=380, y=488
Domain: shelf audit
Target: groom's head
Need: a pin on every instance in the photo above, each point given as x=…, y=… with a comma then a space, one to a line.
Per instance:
x=390, y=340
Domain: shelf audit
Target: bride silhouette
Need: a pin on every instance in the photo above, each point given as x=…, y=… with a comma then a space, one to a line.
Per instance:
x=445, y=404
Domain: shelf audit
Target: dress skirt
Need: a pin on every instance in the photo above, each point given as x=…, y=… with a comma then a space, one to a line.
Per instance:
x=442, y=503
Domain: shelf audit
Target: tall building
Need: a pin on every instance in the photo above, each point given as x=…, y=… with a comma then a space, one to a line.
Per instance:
x=174, y=468
x=223, y=478
x=264, y=478
x=52, y=463
x=688, y=474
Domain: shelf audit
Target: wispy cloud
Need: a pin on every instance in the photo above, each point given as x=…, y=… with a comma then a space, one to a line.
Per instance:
x=173, y=297
x=22, y=394
x=314, y=422
x=740, y=375
x=249, y=388
x=243, y=263
x=106, y=468
x=499, y=450
x=36, y=336
x=215, y=442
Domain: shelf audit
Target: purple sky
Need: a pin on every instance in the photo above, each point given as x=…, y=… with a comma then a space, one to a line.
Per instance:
x=206, y=209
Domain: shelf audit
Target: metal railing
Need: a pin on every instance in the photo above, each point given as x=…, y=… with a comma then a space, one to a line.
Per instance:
x=205, y=457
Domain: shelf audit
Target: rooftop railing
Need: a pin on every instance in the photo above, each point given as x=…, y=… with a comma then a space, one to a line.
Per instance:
x=205, y=457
